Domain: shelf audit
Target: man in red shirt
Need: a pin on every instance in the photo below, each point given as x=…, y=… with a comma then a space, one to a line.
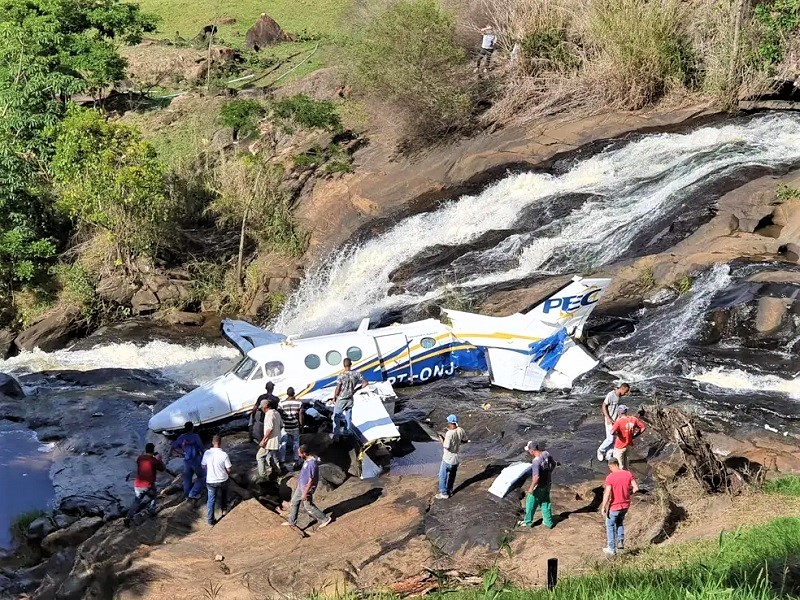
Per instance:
x=618, y=487
x=144, y=486
x=625, y=429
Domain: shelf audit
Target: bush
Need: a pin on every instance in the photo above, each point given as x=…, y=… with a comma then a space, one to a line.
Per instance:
x=643, y=48
x=20, y=524
x=110, y=179
x=242, y=116
x=778, y=20
x=550, y=46
x=302, y=111
x=408, y=54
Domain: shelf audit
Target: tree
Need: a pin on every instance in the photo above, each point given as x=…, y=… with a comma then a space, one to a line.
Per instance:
x=49, y=51
x=109, y=178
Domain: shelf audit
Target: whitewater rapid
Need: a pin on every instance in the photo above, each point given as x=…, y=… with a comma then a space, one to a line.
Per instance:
x=631, y=187
x=183, y=365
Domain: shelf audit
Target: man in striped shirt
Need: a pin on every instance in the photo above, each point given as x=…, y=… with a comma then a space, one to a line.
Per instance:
x=291, y=410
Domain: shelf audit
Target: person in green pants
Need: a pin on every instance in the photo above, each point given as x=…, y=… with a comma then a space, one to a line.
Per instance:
x=539, y=490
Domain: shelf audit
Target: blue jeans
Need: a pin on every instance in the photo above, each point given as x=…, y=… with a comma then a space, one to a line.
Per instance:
x=447, y=477
x=615, y=531
x=290, y=438
x=342, y=421
x=214, y=490
x=192, y=468
x=142, y=497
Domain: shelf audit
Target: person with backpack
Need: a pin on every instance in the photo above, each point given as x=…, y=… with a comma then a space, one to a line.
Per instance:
x=192, y=448
x=349, y=382
x=539, y=490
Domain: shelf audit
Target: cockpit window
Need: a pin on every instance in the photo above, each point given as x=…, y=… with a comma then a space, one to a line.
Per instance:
x=312, y=361
x=427, y=342
x=244, y=368
x=257, y=374
x=333, y=357
x=273, y=368
x=354, y=353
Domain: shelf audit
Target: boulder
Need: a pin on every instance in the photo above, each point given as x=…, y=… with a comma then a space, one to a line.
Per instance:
x=332, y=474
x=116, y=289
x=53, y=332
x=6, y=341
x=222, y=139
x=10, y=387
x=77, y=533
x=144, y=301
x=179, y=317
x=40, y=528
x=771, y=312
x=265, y=32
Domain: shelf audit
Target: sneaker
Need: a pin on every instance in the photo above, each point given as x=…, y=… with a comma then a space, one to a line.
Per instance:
x=212, y=522
x=609, y=552
x=620, y=546
x=287, y=524
x=600, y=456
x=524, y=524
x=326, y=523
x=441, y=496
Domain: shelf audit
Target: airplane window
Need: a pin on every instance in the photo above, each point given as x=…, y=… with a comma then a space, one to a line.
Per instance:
x=257, y=374
x=273, y=368
x=244, y=368
x=333, y=357
x=354, y=353
x=427, y=342
x=312, y=361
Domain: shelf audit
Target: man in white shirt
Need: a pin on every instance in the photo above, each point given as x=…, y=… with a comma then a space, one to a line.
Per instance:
x=488, y=42
x=609, y=408
x=217, y=465
x=451, y=443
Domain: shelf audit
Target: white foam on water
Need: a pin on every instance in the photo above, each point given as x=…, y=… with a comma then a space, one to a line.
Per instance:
x=737, y=380
x=637, y=184
x=180, y=364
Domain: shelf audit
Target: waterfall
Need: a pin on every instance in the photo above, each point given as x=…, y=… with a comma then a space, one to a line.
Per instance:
x=639, y=185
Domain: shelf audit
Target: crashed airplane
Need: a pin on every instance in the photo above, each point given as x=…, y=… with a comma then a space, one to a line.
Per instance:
x=525, y=351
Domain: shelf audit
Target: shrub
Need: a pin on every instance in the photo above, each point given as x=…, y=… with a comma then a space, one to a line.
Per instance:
x=409, y=55
x=778, y=20
x=20, y=524
x=302, y=111
x=550, y=46
x=242, y=116
x=786, y=193
x=110, y=179
x=643, y=48
x=78, y=286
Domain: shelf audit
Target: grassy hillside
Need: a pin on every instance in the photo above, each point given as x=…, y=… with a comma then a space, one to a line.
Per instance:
x=187, y=17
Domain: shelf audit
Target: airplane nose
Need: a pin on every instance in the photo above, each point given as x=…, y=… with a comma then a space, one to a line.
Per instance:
x=169, y=419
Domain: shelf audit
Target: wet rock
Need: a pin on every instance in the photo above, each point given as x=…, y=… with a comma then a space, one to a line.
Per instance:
x=53, y=332
x=75, y=534
x=144, y=301
x=660, y=297
x=116, y=289
x=10, y=387
x=178, y=317
x=770, y=315
x=53, y=569
x=263, y=33
x=40, y=528
x=6, y=342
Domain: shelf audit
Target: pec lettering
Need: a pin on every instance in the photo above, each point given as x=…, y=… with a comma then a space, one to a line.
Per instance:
x=571, y=303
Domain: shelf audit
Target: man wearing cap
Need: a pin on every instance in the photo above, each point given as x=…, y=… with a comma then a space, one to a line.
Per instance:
x=451, y=442
x=609, y=407
x=625, y=429
x=539, y=490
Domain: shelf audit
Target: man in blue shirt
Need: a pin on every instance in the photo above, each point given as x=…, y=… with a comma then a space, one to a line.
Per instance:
x=304, y=492
x=192, y=448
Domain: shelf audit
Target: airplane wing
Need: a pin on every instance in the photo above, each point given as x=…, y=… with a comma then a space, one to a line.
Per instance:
x=245, y=336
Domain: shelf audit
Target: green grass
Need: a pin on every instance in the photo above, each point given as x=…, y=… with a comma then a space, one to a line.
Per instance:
x=188, y=17
x=20, y=524
x=788, y=485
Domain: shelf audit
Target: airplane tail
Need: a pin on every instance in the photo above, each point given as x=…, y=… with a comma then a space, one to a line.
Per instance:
x=568, y=307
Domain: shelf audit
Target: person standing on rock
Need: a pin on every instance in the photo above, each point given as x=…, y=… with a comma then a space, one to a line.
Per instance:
x=267, y=455
x=539, y=491
x=609, y=407
x=349, y=382
x=304, y=492
x=617, y=489
x=626, y=428
x=191, y=446
x=217, y=464
x=257, y=414
x=451, y=443
x=144, y=486
x=291, y=410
